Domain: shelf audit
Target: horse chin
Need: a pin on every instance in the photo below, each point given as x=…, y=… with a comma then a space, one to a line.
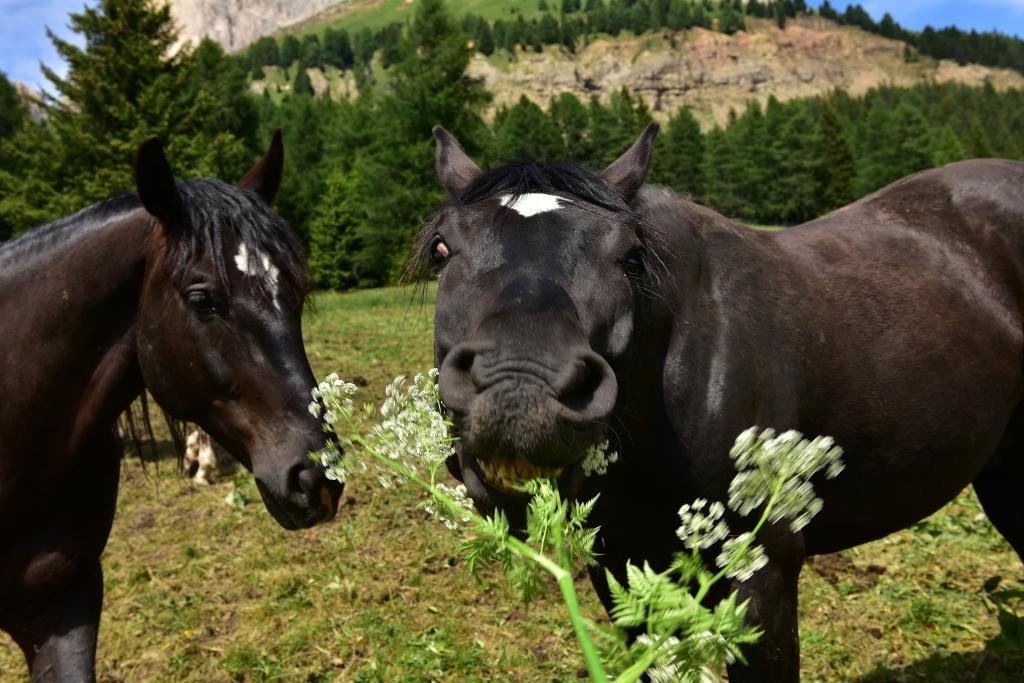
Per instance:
x=292, y=518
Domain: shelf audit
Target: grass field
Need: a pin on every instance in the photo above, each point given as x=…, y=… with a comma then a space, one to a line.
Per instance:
x=373, y=14
x=198, y=590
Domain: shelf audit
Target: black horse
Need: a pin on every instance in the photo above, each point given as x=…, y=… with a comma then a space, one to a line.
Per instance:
x=192, y=291
x=573, y=306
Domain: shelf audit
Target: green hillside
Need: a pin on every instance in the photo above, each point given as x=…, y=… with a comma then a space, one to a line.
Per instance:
x=374, y=14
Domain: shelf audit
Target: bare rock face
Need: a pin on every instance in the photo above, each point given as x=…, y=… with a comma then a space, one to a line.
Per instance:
x=711, y=73
x=236, y=23
x=30, y=97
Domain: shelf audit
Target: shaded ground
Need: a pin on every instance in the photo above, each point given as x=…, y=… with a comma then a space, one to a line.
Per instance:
x=198, y=590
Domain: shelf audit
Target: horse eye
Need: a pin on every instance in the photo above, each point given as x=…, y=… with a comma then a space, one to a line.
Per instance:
x=200, y=301
x=633, y=263
x=439, y=250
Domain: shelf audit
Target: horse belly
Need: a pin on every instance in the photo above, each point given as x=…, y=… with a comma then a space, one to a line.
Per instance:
x=911, y=462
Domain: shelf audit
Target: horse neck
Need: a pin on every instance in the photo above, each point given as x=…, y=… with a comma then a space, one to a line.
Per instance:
x=77, y=306
x=713, y=269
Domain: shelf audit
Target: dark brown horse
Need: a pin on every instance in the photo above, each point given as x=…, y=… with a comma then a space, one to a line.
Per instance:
x=192, y=291
x=573, y=306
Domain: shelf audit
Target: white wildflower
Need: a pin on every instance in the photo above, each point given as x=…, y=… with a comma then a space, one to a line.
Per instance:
x=448, y=511
x=744, y=560
x=781, y=466
x=597, y=459
x=413, y=431
x=699, y=529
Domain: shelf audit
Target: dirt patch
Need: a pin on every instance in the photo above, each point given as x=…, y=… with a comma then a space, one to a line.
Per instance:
x=837, y=568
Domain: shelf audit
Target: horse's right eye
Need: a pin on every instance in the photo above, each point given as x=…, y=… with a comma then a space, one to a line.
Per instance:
x=439, y=251
x=201, y=302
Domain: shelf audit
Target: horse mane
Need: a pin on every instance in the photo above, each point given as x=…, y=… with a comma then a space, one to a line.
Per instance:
x=43, y=237
x=211, y=207
x=522, y=177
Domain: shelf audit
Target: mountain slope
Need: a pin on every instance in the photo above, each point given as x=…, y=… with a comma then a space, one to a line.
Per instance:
x=712, y=72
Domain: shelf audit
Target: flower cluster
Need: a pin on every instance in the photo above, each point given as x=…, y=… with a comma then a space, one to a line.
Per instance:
x=332, y=400
x=597, y=459
x=453, y=512
x=412, y=433
x=701, y=530
x=778, y=469
x=740, y=558
x=413, y=429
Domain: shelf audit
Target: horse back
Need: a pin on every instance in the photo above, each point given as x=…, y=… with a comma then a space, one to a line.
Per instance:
x=897, y=321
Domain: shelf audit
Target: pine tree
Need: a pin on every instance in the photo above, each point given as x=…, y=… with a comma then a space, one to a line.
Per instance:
x=332, y=237
x=794, y=189
x=914, y=151
x=290, y=50
x=570, y=117
x=124, y=86
x=680, y=15
x=876, y=148
x=310, y=52
x=729, y=19
x=679, y=158
x=338, y=49
x=977, y=144
x=837, y=163
x=302, y=85
x=483, y=37
x=524, y=131
x=548, y=32
x=947, y=148
x=390, y=185
x=12, y=109
x=721, y=168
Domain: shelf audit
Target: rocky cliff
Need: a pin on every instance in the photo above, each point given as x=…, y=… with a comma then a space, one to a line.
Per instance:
x=236, y=23
x=713, y=72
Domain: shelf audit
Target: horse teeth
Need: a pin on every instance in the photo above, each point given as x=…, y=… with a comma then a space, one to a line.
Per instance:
x=509, y=474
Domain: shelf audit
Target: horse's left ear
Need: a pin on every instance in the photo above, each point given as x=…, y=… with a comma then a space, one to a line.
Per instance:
x=454, y=167
x=264, y=178
x=154, y=181
x=626, y=174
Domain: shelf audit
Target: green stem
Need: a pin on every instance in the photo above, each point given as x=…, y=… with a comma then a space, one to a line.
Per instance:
x=640, y=666
x=561, y=574
x=579, y=623
x=706, y=585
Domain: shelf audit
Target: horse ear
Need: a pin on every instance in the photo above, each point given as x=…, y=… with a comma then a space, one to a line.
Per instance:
x=264, y=178
x=154, y=181
x=626, y=174
x=454, y=167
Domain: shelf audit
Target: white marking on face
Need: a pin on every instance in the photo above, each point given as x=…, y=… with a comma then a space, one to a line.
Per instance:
x=532, y=203
x=259, y=267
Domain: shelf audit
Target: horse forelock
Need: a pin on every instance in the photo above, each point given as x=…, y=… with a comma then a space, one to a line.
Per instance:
x=214, y=209
x=522, y=186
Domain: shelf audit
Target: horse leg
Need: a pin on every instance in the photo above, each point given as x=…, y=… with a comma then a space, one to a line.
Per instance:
x=998, y=488
x=58, y=635
x=772, y=591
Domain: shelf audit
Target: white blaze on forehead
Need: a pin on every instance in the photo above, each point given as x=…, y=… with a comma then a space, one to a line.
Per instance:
x=532, y=203
x=259, y=266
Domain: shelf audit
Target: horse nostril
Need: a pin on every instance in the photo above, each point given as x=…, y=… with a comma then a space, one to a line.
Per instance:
x=456, y=380
x=588, y=389
x=310, y=481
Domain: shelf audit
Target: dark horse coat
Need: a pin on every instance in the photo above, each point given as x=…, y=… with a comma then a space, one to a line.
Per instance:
x=192, y=291
x=573, y=306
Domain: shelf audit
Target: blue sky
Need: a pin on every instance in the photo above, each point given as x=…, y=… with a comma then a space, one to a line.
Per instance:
x=23, y=42
x=1006, y=16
